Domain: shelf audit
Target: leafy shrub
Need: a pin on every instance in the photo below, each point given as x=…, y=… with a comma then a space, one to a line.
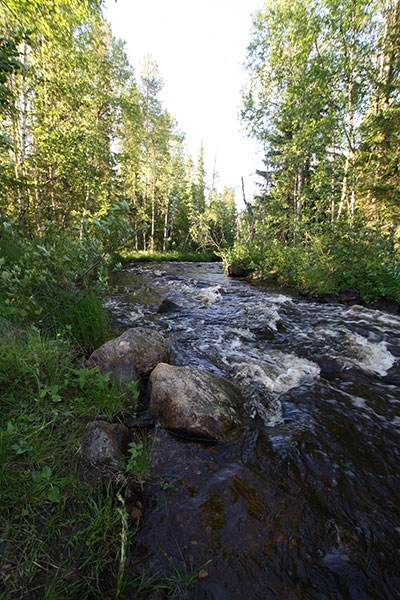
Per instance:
x=54, y=283
x=332, y=260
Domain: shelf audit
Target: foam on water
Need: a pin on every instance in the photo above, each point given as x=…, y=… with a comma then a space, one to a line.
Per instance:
x=354, y=350
x=277, y=372
x=267, y=315
x=385, y=321
x=373, y=357
x=245, y=334
x=209, y=295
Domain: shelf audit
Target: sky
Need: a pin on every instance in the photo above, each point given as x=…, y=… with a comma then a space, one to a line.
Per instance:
x=200, y=48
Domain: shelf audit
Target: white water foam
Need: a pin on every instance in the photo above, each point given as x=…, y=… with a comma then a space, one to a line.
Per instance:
x=245, y=334
x=279, y=299
x=278, y=372
x=354, y=350
x=266, y=315
x=373, y=357
x=383, y=320
x=209, y=295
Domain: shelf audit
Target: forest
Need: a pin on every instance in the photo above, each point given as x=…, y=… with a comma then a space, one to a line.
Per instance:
x=323, y=100
x=94, y=171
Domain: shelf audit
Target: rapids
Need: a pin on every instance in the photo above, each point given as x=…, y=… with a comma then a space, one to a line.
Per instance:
x=307, y=505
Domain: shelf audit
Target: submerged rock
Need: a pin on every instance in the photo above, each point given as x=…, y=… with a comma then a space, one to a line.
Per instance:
x=167, y=306
x=133, y=354
x=106, y=444
x=196, y=402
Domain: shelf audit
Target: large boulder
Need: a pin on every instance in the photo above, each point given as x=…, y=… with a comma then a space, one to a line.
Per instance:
x=195, y=402
x=133, y=354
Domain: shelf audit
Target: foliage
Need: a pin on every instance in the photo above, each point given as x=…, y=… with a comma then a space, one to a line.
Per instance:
x=172, y=256
x=363, y=260
x=55, y=281
x=140, y=459
x=81, y=137
x=323, y=99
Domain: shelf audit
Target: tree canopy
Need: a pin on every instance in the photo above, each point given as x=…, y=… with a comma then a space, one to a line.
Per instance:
x=81, y=130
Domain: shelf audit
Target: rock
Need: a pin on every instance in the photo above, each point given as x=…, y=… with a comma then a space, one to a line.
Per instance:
x=133, y=354
x=196, y=402
x=106, y=444
x=236, y=271
x=167, y=306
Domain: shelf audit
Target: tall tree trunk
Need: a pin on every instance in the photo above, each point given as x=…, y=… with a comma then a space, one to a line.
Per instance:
x=166, y=230
x=153, y=217
x=348, y=183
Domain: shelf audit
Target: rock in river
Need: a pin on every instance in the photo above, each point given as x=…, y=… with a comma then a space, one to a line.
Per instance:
x=196, y=402
x=133, y=354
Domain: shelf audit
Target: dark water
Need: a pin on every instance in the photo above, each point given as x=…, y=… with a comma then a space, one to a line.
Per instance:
x=307, y=504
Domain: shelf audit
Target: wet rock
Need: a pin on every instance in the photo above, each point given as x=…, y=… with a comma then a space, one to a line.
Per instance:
x=106, y=444
x=235, y=270
x=133, y=354
x=195, y=402
x=167, y=306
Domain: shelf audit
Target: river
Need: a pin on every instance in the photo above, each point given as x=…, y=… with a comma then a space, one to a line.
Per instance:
x=307, y=505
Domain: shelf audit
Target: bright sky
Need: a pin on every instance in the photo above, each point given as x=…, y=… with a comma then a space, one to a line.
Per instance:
x=200, y=48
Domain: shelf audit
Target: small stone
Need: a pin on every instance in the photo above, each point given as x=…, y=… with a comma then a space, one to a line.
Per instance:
x=235, y=270
x=105, y=444
x=203, y=574
x=136, y=513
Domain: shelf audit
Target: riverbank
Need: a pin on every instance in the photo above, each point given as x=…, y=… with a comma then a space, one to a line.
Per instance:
x=344, y=297
x=126, y=256
x=363, y=264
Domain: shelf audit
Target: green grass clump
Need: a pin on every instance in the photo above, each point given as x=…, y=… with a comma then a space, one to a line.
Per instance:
x=60, y=533
x=81, y=317
x=172, y=256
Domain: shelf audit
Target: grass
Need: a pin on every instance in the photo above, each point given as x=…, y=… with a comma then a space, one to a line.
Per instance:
x=175, y=580
x=173, y=256
x=62, y=534
x=81, y=317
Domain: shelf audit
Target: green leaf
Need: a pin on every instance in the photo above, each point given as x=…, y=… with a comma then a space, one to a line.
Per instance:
x=54, y=494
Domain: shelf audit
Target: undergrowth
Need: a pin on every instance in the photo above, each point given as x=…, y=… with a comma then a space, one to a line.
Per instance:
x=172, y=256
x=60, y=531
x=364, y=261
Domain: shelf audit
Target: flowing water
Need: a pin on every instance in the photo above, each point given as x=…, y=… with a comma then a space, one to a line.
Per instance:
x=307, y=504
